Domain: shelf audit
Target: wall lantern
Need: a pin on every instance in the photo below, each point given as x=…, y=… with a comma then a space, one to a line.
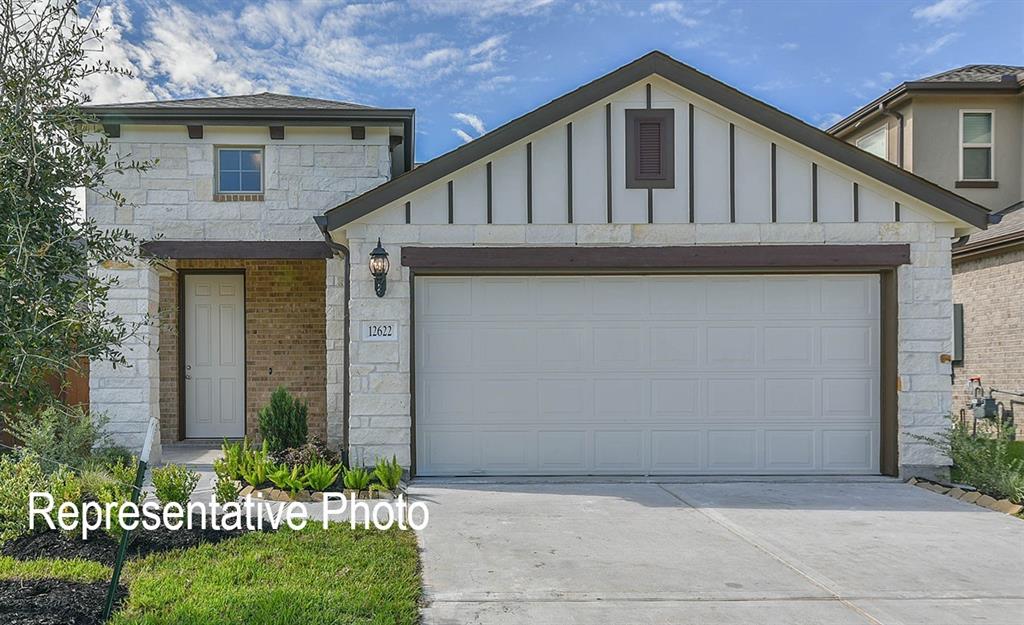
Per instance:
x=379, y=265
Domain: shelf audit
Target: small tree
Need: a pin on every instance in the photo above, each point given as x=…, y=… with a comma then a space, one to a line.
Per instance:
x=283, y=422
x=52, y=307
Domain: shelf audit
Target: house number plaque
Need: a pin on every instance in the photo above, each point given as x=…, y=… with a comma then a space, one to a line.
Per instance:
x=380, y=331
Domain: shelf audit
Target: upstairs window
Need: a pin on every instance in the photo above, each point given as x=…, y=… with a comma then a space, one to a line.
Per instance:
x=650, y=162
x=875, y=142
x=240, y=170
x=976, y=132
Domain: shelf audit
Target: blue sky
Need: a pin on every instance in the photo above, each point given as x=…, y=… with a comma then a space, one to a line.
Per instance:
x=470, y=66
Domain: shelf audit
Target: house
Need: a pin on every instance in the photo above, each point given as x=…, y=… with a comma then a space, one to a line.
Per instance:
x=964, y=130
x=653, y=274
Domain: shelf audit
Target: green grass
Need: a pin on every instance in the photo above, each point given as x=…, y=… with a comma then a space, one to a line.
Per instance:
x=73, y=570
x=314, y=577
x=1016, y=450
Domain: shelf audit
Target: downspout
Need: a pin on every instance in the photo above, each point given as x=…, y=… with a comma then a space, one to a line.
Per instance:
x=340, y=250
x=899, y=139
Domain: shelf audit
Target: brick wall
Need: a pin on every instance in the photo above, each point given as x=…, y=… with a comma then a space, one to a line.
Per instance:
x=285, y=329
x=991, y=290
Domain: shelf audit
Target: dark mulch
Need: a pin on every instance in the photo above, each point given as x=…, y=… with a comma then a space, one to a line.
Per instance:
x=103, y=549
x=53, y=602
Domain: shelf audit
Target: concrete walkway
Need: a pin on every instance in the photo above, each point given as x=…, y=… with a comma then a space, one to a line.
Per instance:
x=778, y=553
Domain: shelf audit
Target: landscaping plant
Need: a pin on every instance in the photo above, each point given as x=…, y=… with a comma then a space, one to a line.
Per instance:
x=19, y=475
x=174, y=483
x=59, y=434
x=356, y=478
x=984, y=461
x=234, y=457
x=285, y=478
x=313, y=450
x=255, y=466
x=283, y=421
x=118, y=490
x=388, y=473
x=226, y=488
x=321, y=475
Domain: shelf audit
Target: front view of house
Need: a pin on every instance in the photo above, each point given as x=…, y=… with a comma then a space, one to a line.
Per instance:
x=653, y=274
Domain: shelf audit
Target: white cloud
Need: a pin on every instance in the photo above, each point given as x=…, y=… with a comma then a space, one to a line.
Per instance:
x=482, y=9
x=789, y=46
x=945, y=10
x=827, y=120
x=466, y=138
x=112, y=87
x=675, y=10
x=472, y=121
x=915, y=52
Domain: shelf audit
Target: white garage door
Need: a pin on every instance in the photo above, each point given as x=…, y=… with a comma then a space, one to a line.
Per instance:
x=554, y=375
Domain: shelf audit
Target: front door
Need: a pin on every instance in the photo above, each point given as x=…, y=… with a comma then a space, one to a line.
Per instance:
x=214, y=356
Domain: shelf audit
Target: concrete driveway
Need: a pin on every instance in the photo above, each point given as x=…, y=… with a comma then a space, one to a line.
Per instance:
x=778, y=553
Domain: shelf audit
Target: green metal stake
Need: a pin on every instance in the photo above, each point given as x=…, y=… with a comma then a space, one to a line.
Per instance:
x=122, y=549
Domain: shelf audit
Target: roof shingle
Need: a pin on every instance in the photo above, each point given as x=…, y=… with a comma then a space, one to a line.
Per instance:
x=977, y=73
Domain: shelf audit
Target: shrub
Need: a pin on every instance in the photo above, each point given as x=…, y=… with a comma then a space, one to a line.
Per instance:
x=225, y=490
x=312, y=451
x=65, y=486
x=357, y=479
x=388, y=473
x=321, y=475
x=174, y=483
x=255, y=465
x=234, y=457
x=59, y=434
x=120, y=488
x=287, y=479
x=983, y=462
x=19, y=476
x=283, y=422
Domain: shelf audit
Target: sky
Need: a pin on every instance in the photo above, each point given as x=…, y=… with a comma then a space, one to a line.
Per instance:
x=469, y=66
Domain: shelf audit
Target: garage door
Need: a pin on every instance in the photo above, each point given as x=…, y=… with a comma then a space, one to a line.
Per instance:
x=554, y=375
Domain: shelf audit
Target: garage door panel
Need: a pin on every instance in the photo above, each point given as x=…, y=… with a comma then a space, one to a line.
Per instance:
x=698, y=374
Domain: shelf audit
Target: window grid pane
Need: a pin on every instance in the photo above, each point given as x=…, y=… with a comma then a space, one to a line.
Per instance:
x=240, y=170
x=977, y=128
x=874, y=143
x=977, y=163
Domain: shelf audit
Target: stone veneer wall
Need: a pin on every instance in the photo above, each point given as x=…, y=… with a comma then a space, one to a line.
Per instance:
x=990, y=289
x=285, y=327
x=379, y=372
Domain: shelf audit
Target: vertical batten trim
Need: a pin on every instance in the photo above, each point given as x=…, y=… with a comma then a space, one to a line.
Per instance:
x=490, y=205
x=608, y=158
x=568, y=169
x=408, y=212
x=732, y=173
x=775, y=193
x=896, y=210
x=814, y=192
x=451, y=201
x=856, y=202
x=648, y=95
x=529, y=183
x=690, y=163
x=650, y=206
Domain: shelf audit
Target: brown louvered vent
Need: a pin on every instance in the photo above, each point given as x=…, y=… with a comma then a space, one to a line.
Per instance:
x=649, y=151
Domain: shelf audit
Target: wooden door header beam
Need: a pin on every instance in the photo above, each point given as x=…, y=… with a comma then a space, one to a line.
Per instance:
x=703, y=257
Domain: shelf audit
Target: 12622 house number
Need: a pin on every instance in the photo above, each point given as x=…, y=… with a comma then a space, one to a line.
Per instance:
x=380, y=331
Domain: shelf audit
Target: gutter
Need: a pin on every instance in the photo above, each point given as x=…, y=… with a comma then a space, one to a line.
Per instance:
x=341, y=250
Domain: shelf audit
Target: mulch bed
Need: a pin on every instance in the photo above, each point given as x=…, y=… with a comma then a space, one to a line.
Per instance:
x=53, y=602
x=103, y=549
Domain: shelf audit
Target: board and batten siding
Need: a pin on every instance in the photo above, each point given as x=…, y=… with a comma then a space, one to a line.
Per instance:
x=735, y=178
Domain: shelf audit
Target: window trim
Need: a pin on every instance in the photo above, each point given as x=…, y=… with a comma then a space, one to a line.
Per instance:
x=216, y=170
x=666, y=119
x=884, y=129
x=991, y=145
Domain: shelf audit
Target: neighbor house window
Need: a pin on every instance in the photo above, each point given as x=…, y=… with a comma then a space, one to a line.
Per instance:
x=650, y=162
x=875, y=142
x=976, y=145
x=239, y=170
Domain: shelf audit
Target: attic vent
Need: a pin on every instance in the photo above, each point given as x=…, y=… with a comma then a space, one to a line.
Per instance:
x=650, y=163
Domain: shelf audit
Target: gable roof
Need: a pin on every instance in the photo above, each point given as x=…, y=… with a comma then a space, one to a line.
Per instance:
x=688, y=78
x=969, y=78
x=265, y=100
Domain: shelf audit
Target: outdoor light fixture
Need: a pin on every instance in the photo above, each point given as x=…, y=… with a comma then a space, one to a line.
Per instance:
x=379, y=265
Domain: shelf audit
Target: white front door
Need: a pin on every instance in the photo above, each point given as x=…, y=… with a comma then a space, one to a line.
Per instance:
x=769, y=374
x=214, y=356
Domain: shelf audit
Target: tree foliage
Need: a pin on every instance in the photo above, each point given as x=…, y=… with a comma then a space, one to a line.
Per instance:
x=52, y=311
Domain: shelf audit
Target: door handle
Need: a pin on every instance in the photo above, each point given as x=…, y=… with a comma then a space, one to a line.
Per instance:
x=188, y=368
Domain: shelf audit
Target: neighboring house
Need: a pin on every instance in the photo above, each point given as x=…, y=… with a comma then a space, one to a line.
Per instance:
x=964, y=130
x=653, y=274
x=229, y=210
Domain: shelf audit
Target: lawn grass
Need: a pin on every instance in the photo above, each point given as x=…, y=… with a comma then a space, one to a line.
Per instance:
x=314, y=577
x=1016, y=450
x=71, y=570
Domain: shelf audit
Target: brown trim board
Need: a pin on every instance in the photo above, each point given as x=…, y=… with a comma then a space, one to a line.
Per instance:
x=687, y=78
x=236, y=250
x=889, y=463
x=657, y=258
